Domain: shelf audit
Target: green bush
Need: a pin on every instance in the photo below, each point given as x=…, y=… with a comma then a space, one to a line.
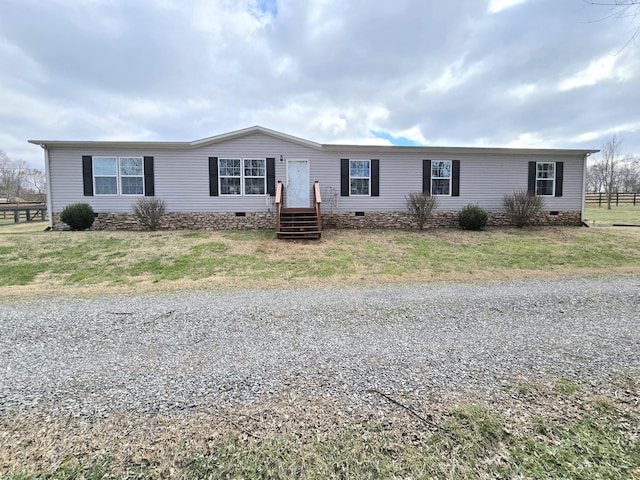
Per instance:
x=420, y=206
x=149, y=211
x=473, y=217
x=522, y=207
x=79, y=216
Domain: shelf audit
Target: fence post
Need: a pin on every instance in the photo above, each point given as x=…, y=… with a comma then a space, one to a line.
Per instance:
x=600, y=200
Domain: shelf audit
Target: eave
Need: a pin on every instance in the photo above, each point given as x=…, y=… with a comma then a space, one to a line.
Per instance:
x=357, y=149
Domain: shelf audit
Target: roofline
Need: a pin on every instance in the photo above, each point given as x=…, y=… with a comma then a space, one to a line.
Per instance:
x=178, y=145
x=454, y=150
x=347, y=148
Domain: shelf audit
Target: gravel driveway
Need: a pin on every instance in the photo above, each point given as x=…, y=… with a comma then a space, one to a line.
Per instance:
x=161, y=353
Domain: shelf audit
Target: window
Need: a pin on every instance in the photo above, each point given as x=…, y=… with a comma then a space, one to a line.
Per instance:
x=254, y=176
x=441, y=177
x=545, y=178
x=118, y=175
x=242, y=176
x=230, y=175
x=359, y=177
x=131, y=176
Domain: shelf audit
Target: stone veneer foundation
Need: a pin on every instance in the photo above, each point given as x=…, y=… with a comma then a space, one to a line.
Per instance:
x=254, y=220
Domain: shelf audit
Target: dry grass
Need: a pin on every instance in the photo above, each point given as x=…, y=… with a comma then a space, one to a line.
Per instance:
x=37, y=263
x=461, y=431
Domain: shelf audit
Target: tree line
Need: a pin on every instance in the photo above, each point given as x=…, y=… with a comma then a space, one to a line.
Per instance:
x=612, y=172
x=19, y=182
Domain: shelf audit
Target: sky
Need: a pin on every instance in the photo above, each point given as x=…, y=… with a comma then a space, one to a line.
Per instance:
x=490, y=73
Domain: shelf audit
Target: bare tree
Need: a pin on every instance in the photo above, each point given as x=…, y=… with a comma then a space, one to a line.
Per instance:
x=36, y=180
x=629, y=176
x=621, y=9
x=18, y=179
x=608, y=165
x=10, y=177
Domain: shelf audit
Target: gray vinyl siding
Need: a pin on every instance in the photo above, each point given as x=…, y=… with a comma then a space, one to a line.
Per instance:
x=182, y=177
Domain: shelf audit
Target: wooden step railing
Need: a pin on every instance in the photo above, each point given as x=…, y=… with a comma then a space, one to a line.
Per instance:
x=298, y=223
x=317, y=200
x=279, y=197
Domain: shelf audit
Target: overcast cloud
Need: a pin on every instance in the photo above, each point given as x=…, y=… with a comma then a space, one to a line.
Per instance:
x=530, y=73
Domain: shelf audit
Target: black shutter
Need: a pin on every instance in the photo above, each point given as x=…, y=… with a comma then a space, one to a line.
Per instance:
x=375, y=178
x=344, y=177
x=271, y=176
x=149, y=186
x=213, y=176
x=426, y=177
x=87, y=175
x=559, y=175
x=532, y=178
x=455, y=178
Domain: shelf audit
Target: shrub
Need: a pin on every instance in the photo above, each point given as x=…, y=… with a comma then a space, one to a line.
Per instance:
x=473, y=217
x=522, y=206
x=149, y=211
x=420, y=206
x=79, y=216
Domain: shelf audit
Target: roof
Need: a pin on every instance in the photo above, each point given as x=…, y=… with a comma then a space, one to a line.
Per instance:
x=307, y=143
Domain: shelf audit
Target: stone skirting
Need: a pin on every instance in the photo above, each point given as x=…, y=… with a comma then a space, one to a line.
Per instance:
x=254, y=220
x=437, y=220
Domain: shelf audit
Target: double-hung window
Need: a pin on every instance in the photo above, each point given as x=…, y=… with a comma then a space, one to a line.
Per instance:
x=255, y=174
x=230, y=176
x=545, y=178
x=441, y=177
x=242, y=176
x=359, y=177
x=118, y=175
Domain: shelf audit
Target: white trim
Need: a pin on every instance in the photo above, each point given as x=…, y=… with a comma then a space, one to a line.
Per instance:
x=363, y=149
x=47, y=174
x=368, y=194
x=241, y=177
x=450, y=178
x=308, y=179
x=553, y=180
x=584, y=185
x=118, y=176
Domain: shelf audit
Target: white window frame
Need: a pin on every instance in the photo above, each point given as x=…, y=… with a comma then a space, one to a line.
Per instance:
x=220, y=176
x=551, y=179
x=360, y=177
x=118, y=176
x=433, y=165
x=243, y=177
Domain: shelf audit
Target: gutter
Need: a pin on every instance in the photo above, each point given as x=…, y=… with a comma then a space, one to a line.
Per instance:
x=584, y=184
x=47, y=172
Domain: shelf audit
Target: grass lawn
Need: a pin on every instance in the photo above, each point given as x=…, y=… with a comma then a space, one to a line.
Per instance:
x=35, y=262
x=627, y=215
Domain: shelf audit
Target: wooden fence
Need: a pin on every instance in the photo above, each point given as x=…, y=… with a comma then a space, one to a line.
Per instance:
x=617, y=199
x=23, y=212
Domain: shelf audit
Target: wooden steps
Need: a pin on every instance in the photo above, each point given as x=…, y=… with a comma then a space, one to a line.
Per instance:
x=299, y=223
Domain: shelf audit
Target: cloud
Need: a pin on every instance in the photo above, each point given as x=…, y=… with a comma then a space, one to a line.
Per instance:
x=469, y=72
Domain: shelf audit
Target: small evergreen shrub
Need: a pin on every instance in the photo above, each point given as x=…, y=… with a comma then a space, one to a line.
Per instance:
x=473, y=217
x=79, y=216
x=522, y=207
x=149, y=211
x=420, y=206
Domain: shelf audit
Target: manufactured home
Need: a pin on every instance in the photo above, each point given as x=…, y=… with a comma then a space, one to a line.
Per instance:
x=261, y=178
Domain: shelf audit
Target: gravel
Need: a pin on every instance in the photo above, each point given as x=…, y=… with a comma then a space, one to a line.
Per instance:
x=173, y=352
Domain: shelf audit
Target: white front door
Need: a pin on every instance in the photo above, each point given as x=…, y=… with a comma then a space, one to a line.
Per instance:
x=298, y=189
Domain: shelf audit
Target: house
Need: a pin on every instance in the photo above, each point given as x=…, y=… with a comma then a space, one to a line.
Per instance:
x=252, y=178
